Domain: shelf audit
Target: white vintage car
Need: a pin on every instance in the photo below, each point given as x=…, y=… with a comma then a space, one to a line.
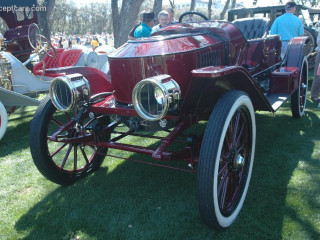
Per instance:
x=18, y=82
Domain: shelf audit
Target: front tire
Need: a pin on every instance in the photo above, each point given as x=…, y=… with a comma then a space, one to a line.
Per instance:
x=299, y=97
x=65, y=161
x=3, y=120
x=226, y=160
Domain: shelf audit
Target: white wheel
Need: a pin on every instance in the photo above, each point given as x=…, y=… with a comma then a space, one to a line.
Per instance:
x=226, y=160
x=3, y=120
x=299, y=97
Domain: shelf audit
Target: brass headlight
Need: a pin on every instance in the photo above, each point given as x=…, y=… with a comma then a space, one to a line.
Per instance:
x=153, y=97
x=68, y=91
x=5, y=72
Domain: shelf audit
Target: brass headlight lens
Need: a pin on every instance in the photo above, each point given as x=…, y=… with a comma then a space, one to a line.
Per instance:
x=153, y=97
x=68, y=91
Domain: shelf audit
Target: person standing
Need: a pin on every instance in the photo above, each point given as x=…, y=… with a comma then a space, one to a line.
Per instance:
x=94, y=42
x=144, y=30
x=163, y=18
x=171, y=15
x=131, y=34
x=287, y=26
x=315, y=88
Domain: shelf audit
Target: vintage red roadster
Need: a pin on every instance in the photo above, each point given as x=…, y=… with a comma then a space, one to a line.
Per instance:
x=185, y=73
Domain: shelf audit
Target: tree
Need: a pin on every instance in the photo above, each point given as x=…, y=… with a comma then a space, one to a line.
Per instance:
x=192, y=5
x=311, y=3
x=209, y=9
x=233, y=4
x=157, y=6
x=172, y=4
x=224, y=10
x=124, y=21
x=44, y=16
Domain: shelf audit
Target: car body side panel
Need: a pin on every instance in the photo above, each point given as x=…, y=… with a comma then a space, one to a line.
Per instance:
x=178, y=66
x=209, y=84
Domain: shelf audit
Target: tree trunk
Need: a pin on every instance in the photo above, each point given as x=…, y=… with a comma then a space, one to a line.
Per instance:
x=233, y=4
x=44, y=16
x=123, y=22
x=209, y=9
x=157, y=7
x=192, y=6
x=172, y=4
x=224, y=10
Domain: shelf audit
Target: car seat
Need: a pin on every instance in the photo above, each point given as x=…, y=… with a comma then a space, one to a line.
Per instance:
x=69, y=57
x=48, y=62
x=252, y=28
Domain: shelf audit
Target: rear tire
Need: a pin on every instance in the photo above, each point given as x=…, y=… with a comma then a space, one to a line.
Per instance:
x=226, y=160
x=299, y=97
x=311, y=43
x=3, y=120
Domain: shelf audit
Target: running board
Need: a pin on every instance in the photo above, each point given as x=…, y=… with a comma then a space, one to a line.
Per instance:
x=10, y=98
x=276, y=100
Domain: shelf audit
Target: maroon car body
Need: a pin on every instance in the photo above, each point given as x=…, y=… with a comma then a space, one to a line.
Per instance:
x=183, y=74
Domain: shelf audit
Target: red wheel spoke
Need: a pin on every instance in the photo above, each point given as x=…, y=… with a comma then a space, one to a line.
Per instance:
x=226, y=143
x=228, y=137
x=84, y=155
x=220, y=184
x=68, y=116
x=88, y=123
x=241, y=147
x=66, y=156
x=223, y=193
x=75, y=157
x=236, y=184
x=235, y=129
x=240, y=134
x=58, y=150
x=223, y=169
x=56, y=122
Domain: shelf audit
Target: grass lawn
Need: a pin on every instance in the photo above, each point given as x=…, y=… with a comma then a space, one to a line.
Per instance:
x=127, y=200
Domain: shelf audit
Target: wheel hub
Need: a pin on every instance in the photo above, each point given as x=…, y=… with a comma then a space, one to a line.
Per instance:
x=236, y=160
x=239, y=161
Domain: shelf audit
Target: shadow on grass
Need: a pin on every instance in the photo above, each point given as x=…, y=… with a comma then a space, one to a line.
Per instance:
x=135, y=201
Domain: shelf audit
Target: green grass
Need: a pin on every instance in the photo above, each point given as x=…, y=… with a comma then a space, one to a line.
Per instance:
x=126, y=200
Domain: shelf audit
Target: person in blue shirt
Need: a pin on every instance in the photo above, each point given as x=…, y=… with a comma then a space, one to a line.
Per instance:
x=144, y=30
x=287, y=26
x=163, y=18
x=131, y=34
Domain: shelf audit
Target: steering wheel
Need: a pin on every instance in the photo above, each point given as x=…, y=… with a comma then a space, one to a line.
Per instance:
x=39, y=42
x=192, y=17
